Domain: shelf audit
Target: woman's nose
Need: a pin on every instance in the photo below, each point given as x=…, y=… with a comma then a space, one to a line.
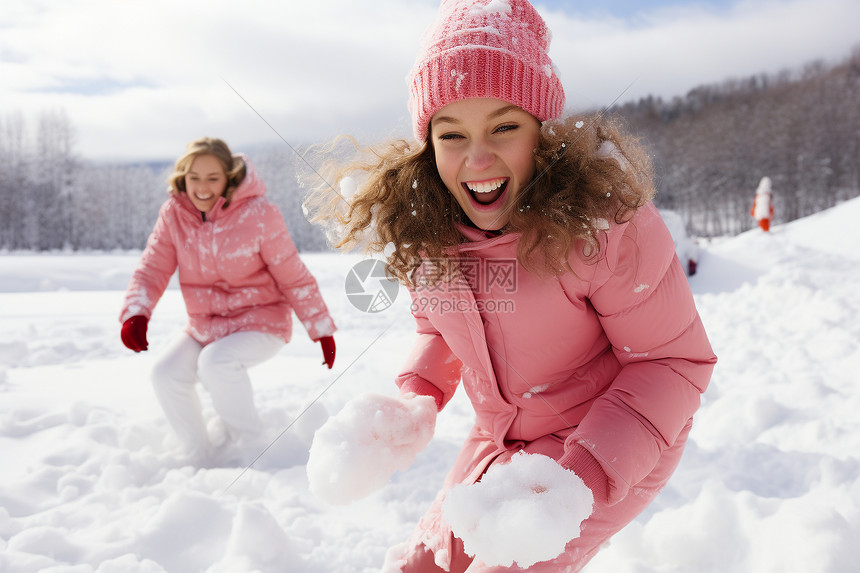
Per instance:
x=480, y=157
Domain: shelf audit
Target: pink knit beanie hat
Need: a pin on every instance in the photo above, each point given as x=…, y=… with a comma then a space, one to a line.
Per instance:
x=484, y=48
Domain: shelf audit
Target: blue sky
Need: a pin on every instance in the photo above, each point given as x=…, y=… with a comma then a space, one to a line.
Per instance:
x=139, y=79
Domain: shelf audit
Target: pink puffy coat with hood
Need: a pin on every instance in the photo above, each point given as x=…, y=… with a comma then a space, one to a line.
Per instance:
x=238, y=268
x=601, y=369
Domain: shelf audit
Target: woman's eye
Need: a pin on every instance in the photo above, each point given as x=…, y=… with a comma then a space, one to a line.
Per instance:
x=509, y=127
x=446, y=136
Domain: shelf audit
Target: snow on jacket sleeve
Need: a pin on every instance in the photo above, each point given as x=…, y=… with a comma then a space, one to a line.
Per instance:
x=647, y=311
x=293, y=277
x=431, y=369
x=152, y=275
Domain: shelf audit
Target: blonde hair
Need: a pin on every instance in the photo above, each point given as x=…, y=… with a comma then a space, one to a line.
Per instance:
x=587, y=173
x=233, y=165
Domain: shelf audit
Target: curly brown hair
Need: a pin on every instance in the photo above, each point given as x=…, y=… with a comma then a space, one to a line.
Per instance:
x=587, y=173
x=233, y=165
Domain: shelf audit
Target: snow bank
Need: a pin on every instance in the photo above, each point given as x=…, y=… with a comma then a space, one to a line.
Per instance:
x=92, y=482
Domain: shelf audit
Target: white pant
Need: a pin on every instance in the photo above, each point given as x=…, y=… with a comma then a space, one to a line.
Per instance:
x=222, y=369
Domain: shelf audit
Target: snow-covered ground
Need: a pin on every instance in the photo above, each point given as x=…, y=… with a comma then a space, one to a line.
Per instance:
x=92, y=481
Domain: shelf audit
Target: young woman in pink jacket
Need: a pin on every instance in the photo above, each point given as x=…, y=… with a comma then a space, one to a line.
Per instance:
x=241, y=278
x=543, y=280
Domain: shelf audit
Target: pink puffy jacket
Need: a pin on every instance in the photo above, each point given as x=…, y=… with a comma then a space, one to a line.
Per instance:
x=601, y=369
x=238, y=268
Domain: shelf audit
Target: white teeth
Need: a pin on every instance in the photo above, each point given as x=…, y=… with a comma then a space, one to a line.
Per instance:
x=485, y=186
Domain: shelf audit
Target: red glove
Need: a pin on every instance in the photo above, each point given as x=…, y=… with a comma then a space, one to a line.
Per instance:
x=134, y=333
x=327, y=343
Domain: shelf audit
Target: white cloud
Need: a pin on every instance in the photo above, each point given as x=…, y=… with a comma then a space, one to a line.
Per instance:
x=672, y=51
x=138, y=79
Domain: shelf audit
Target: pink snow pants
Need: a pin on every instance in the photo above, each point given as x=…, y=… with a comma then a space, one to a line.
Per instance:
x=222, y=369
x=604, y=522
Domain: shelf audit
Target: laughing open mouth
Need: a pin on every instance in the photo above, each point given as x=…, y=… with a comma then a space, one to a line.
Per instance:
x=486, y=192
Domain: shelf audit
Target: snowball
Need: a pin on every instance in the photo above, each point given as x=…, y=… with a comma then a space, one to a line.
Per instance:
x=524, y=511
x=348, y=188
x=355, y=452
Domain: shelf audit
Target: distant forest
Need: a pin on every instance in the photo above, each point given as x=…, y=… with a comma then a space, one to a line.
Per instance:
x=710, y=149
